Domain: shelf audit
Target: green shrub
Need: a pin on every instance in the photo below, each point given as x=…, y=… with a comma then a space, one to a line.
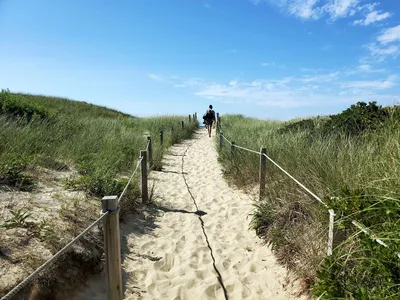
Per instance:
x=357, y=119
x=18, y=218
x=13, y=173
x=361, y=270
x=302, y=125
x=19, y=107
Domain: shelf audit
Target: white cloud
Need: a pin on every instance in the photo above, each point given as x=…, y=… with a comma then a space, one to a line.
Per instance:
x=233, y=82
x=372, y=84
x=320, y=89
x=341, y=8
x=266, y=64
x=304, y=9
x=372, y=17
x=390, y=35
x=364, y=68
x=386, y=45
x=320, y=78
x=379, y=52
x=156, y=77
x=331, y=9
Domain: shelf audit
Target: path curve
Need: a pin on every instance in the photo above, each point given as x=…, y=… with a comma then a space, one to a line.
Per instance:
x=199, y=246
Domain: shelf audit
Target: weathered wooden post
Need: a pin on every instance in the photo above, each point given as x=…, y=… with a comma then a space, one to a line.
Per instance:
x=150, y=152
x=190, y=118
x=143, y=171
x=263, y=171
x=221, y=139
x=183, y=124
x=232, y=148
x=217, y=127
x=161, y=137
x=112, y=248
x=195, y=116
x=172, y=130
x=330, y=233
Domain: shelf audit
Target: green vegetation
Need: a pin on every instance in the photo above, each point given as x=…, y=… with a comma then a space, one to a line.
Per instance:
x=101, y=144
x=352, y=162
x=99, y=148
x=18, y=219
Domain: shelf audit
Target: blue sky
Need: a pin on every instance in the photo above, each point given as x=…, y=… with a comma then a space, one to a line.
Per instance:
x=276, y=59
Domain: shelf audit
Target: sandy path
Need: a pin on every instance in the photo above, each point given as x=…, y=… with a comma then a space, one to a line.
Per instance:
x=199, y=246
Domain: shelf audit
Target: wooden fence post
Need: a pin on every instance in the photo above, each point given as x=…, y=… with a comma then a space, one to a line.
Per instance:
x=172, y=130
x=232, y=148
x=221, y=139
x=183, y=124
x=150, y=152
x=195, y=116
x=190, y=118
x=143, y=171
x=161, y=137
x=217, y=126
x=112, y=248
x=263, y=171
x=330, y=233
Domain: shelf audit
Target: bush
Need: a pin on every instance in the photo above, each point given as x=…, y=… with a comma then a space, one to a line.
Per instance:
x=306, y=124
x=18, y=106
x=357, y=119
x=12, y=173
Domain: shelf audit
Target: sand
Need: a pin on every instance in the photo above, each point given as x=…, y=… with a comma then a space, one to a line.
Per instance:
x=199, y=246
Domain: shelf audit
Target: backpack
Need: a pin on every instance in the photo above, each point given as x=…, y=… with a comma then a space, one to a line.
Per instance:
x=210, y=114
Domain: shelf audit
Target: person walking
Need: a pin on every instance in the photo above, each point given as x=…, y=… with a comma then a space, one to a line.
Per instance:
x=209, y=118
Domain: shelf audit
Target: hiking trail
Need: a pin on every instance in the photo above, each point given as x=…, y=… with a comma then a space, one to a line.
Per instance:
x=195, y=242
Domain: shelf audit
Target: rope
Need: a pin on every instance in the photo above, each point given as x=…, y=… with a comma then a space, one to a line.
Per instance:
x=331, y=212
x=51, y=260
x=249, y=150
x=223, y=136
x=282, y=169
x=130, y=179
x=295, y=180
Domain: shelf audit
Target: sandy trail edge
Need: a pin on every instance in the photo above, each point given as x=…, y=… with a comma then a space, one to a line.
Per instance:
x=184, y=255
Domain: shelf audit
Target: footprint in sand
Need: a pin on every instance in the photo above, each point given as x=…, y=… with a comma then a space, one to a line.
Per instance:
x=186, y=270
x=148, y=245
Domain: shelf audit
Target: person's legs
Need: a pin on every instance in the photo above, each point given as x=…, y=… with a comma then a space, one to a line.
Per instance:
x=210, y=122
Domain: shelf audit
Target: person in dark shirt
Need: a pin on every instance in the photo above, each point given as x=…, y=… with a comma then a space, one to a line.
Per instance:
x=209, y=118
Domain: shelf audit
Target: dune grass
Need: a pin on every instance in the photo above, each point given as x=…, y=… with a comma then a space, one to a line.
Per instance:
x=99, y=147
x=356, y=175
x=100, y=143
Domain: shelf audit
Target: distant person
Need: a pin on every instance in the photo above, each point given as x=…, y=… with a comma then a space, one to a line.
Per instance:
x=209, y=118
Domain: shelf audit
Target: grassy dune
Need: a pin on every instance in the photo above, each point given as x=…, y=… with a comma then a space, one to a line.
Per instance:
x=355, y=173
x=57, y=133
x=67, y=154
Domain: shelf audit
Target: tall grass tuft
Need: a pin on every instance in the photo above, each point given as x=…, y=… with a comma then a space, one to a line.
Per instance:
x=355, y=173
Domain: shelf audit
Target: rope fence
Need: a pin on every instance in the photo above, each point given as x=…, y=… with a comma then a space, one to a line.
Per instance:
x=33, y=275
x=262, y=187
x=110, y=219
